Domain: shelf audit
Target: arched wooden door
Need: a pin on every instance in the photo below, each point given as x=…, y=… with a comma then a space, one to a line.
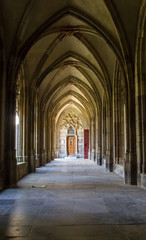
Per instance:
x=71, y=145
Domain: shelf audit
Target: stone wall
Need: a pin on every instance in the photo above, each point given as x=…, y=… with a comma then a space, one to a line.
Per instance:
x=22, y=170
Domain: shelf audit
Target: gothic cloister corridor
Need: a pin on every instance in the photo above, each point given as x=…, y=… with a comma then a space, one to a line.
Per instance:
x=73, y=199
x=73, y=119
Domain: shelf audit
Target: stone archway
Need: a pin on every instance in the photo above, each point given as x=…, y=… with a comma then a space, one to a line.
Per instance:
x=70, y=135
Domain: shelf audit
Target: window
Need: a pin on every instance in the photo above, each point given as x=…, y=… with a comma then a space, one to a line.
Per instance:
x=71, y=130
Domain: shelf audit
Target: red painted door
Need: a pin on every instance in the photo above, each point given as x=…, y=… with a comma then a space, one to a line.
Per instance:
x=86, y=143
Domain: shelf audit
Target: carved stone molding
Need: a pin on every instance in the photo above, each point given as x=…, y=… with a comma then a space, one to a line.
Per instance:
x=71, y=120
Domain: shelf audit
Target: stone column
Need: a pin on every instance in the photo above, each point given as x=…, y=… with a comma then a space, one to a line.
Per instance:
x=52, y=138
x=42, y=138
x=38, y=130
x=93, y=139
x=10, y=152
x=103, y=133
x=30, y=129
x=21, y=123
x=57, y=136
x=109, y=139
x=2, y=119
x=54, y=143
x=99, y=150
x=3, y=169
x=96, y=137
x=130, y=167
x=116, y=119
x=140, y=80
x=49, y=136
x=143, y=107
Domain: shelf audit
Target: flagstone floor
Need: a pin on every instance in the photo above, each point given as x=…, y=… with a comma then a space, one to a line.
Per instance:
x=73, y=199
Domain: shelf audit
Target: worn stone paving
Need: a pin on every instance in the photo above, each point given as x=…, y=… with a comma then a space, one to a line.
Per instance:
x=73, y=199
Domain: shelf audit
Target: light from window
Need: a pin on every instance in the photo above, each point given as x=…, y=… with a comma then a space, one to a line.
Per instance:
x=17, y=119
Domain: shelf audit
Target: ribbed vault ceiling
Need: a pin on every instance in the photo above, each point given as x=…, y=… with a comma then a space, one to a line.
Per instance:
x=70, y=48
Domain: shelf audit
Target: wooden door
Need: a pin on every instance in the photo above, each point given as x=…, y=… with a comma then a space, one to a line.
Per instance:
x=86, y=143
x=71, y=145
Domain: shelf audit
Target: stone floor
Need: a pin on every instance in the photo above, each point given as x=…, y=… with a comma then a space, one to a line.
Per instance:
x=73, y=199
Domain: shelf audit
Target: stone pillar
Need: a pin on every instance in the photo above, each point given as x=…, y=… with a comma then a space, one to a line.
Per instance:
x=103, y=145
x=42, y=139
x=49, y=136
x=116, y=120
x=140, y=80
x=54, y=143
x=96, y=138
x=46, y=138
x=57, y=137
x=2, y=121
x=10, y=170
x=30, y=142
x=21, y=123
x=109, y=139
x=130, y=167
x=93, y=139
x=143, y=175
x=38, y=130
x=2, y=109
x=52, y=138
x=99, y=150
x=143, y=108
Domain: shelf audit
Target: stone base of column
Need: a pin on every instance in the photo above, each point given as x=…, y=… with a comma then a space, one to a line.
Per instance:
x=99, y=162
x=10, y=170
x=93, y=155
x=130, y=169
x=109, y=162
x=37, y=160
x=2, y=185
x=31, y=164
x=109, y=166
x=52, y=156
x=43, y=157
x=103, y=162
x=141, y=180
x=43, y=160
x=37, y=163
x=49, y=157
x=89, y=156
x=119, y=169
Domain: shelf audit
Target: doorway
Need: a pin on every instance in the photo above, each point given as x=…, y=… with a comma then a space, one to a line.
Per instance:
x=71, y=145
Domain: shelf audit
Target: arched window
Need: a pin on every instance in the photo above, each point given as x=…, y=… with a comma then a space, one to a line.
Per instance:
x=20, y=117
x=71, y=130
